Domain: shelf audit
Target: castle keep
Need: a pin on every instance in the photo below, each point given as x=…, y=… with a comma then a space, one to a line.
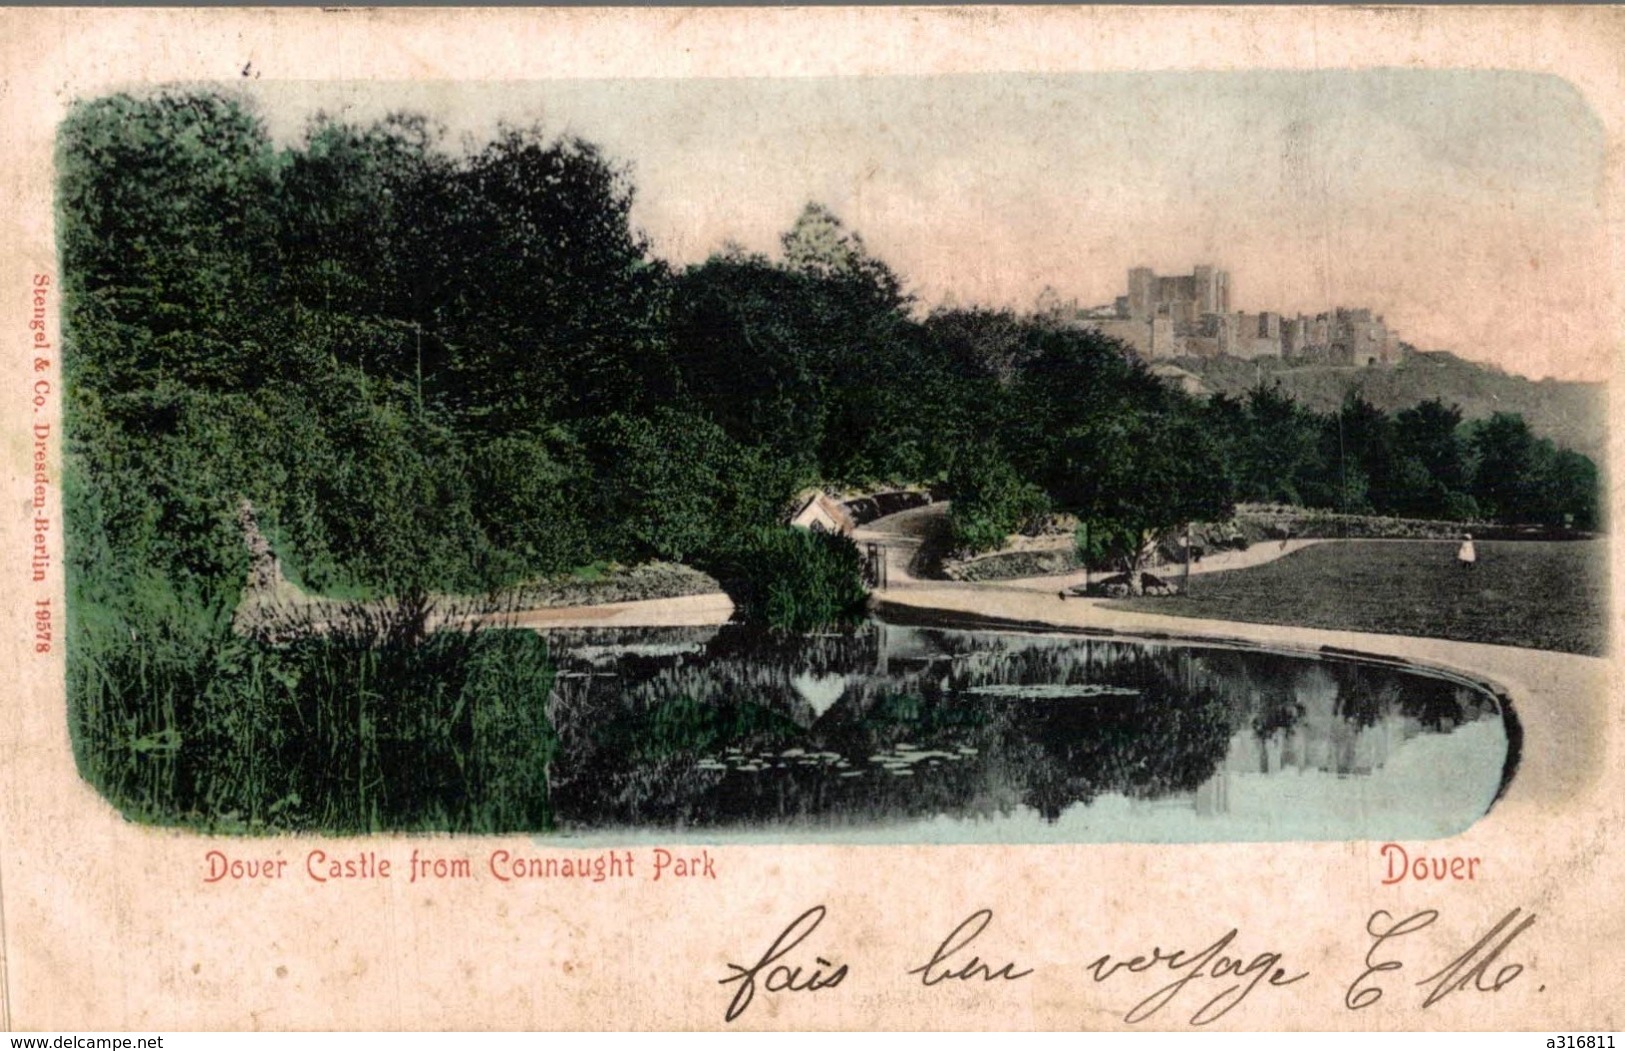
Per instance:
x=1189, y=315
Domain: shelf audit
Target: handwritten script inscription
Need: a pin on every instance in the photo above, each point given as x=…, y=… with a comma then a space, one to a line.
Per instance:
x=1470, y=971
x=783, y=977
x=947, y=963
x=1201, y=969
x=1208, y=982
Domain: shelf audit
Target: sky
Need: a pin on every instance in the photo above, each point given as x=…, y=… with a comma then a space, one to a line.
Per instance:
x=1467, y=207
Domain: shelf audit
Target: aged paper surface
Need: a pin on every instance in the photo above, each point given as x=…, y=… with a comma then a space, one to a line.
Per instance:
x=110, y=924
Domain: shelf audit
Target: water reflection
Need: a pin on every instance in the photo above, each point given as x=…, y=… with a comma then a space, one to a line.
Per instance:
x=897, y=734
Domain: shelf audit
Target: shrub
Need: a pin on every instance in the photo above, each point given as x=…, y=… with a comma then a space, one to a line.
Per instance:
x=793, y=579
x=990, y=501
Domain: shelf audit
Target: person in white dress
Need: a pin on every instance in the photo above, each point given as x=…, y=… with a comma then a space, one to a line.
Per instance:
x=1466, y=555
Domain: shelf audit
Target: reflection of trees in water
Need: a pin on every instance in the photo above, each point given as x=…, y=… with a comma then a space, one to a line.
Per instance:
x=625, y=780
x=1261, y=688
x=1163, y=742
x=884, y=725
x=1367, y=695
x=652, y=753
x=1337, y=716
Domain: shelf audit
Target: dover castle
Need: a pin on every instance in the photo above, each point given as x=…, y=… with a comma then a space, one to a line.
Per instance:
x=1189, y=316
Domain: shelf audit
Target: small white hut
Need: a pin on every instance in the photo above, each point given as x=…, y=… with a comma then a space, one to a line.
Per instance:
x=822, y=513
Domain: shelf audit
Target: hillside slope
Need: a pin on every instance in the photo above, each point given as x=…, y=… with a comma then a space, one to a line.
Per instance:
x=1574, y=415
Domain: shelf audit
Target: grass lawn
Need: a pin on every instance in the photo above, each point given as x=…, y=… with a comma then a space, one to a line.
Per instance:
x=1543, y=595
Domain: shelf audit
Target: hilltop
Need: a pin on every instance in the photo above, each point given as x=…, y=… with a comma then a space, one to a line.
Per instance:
x=1571, y=414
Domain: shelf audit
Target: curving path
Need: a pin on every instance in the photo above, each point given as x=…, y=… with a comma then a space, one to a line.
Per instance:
x=901, y=536
x=1217, y=562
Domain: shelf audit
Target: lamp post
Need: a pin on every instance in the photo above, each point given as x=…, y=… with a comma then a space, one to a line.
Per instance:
x=1185, y=587
x=1084, y=558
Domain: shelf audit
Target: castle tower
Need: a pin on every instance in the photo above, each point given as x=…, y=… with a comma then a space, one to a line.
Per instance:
x=1142, y=292
x=1207, y=290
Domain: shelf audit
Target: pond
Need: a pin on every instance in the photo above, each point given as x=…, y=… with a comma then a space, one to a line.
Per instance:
x=897, y=734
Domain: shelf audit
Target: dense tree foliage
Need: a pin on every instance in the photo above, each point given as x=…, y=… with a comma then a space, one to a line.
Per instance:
x=432, y=369
x=425, y=371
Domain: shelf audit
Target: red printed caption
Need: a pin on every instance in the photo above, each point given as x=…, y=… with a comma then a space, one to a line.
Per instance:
x=1400, y=865
x=503, y=866
x=42, y=353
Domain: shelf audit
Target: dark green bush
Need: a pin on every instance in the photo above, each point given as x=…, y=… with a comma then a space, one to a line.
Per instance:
x=990, y=501
x=793, y=579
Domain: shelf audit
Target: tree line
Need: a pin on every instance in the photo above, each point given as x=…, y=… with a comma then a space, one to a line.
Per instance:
x=431, y=370
x=457, y=370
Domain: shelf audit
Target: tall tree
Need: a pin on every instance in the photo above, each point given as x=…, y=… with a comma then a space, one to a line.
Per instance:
x=820, y=245
x=171, y=251
x=1430, y=431
x=547, y=301
x=1505, y=481
x=814, y=357
x=749, y=350
x=1431, y=460
x=1110, y=443
x=1279, y=451
x=1575, y=491
x=362, y=214
x=1135, y=478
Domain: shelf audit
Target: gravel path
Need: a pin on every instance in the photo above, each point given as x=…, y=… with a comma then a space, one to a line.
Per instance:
x=902, y=535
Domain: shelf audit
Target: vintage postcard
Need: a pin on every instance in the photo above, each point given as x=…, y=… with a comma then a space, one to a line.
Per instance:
x=812, y=519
